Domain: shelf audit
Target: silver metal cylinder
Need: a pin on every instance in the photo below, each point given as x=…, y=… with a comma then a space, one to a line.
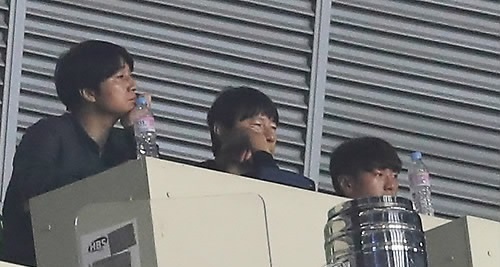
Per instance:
x=375, y=232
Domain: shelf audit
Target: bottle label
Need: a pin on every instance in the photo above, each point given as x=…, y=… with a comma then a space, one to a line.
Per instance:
x=146, y=124
x=420, y=179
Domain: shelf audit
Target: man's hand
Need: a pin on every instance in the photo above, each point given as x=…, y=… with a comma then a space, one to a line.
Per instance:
x=258, y=141
x=128, y=119
x=236, y=147
x=239, y=145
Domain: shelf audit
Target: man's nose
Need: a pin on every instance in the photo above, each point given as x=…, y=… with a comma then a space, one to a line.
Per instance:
x=270, y=134
x=391, y=183
x=132, y=84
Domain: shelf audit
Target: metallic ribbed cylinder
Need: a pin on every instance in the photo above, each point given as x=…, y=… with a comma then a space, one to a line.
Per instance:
x=375, y=232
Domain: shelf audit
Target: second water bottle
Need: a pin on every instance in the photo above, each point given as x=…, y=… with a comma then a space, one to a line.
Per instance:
x=144, y=130
x=420, y=185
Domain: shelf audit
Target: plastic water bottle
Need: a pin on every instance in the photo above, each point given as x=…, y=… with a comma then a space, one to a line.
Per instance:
x=420, y=185
x=144, y=129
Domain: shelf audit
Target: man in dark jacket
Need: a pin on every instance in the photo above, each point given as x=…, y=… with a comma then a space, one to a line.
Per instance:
x=94, y=81
x=243, y=123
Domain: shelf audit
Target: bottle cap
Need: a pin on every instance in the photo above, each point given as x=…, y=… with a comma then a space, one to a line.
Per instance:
x=416, y=155
x=141, y=100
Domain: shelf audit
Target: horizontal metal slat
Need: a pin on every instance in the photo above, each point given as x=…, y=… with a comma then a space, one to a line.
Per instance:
x=460, y=152
x=195, y=21
x=305, y=7
x=417, y=96
x=253, y=12
x=3, y=57
x=412, y=123
x=490, y=8
x=414, y=47
x=4, y=5
x=410, y=27
x=4, y=19
x=195, y=42
x=438, y=13
x=219, y=79
x=418, y=67
x=255, y=70
x=209, y=84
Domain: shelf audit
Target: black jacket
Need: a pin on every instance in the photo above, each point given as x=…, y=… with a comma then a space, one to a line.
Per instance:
x=266, y=169
x=53, y=152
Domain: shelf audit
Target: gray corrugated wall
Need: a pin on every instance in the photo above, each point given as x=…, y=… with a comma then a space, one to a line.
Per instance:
x=4, y=27
x=425, y=75
x=422, y=74
x=4, y=96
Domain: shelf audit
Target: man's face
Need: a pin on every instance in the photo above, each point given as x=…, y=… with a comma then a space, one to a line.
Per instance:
x=117, y=93
x=375, y=183
x=262, y=132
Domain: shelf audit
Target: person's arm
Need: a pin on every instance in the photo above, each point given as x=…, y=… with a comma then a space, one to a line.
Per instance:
x=122, y=146
x=129, y=145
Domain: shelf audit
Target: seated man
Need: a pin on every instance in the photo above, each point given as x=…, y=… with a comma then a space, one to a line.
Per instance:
x=365, y=167
x=243, y=123
x=94, y=81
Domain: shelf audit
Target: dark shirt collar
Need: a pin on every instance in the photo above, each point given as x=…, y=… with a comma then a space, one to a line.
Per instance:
x=82, y=134
x=85, y=137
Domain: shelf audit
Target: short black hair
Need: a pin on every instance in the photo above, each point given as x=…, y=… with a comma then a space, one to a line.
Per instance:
x=85, y=66
x=362, y=154
x=236, y=104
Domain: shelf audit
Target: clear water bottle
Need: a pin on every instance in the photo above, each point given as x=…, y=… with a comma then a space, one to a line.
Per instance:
x=144, y=129
x=420, y=185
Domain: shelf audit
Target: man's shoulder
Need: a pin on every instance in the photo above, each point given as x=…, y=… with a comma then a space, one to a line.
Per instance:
x=297, y=179
x=271, y=174
x=52, y=120
x=207, y=164
x=50, y=126
x=285, y=177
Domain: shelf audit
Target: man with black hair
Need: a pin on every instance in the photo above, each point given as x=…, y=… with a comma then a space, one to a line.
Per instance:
x=243, y=123
x=365, y=167
x=94, y=81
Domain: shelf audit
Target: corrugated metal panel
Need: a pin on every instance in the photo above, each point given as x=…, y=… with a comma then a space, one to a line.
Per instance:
x=424, y=75
x=4, y=27
x=185, y=51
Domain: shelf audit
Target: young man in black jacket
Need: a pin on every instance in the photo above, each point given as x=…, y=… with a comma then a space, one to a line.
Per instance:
x=94, y=81
x=243, y=123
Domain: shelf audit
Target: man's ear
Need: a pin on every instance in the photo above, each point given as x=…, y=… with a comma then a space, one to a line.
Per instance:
x=88, y=95
x=346, y=185
x=219, y=130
